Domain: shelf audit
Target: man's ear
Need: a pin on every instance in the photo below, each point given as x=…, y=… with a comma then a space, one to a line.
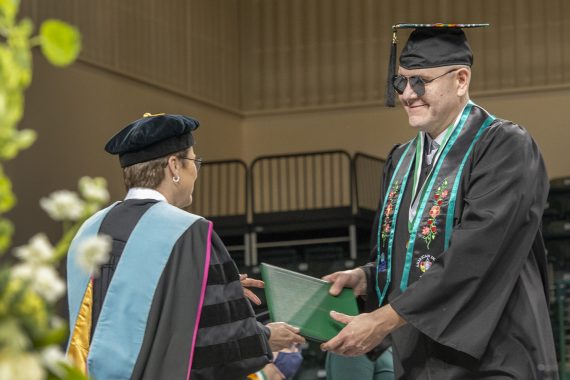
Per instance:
x=463, y=80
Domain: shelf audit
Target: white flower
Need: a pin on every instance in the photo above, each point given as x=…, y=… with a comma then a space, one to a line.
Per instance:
x=23, y=271
x=19, y=365
x=48, y=284
x=63, y=205
x=53, y=357
x=38, y=251
x=94, y=189
x=93, y=252
x=44, y=280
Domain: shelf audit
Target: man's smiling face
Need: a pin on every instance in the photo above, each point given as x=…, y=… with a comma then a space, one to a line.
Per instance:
x=437, y=108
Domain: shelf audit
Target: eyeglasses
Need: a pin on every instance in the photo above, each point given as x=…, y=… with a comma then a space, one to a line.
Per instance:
x=417, y=83
x=197, y=161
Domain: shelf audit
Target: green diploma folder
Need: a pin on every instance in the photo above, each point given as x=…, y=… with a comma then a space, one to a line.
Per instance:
x=304, y=301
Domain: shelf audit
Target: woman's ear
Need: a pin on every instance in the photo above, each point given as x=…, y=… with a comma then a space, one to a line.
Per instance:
x=173, y=165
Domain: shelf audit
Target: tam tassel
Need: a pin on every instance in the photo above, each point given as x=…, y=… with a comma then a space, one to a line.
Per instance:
x=390, y=95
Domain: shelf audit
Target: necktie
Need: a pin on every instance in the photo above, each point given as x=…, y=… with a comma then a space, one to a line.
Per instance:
x=430, y=151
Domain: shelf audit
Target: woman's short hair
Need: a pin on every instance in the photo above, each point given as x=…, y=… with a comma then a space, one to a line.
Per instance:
x=150, y=174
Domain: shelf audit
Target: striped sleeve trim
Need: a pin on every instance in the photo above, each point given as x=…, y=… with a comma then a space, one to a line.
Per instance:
x=223, y=273
x=227, y=312
x=224, y=353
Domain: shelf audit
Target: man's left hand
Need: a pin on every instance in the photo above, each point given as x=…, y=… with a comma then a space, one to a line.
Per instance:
x=362, y=332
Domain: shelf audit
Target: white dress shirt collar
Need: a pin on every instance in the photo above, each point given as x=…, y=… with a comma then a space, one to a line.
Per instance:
x=144, y=193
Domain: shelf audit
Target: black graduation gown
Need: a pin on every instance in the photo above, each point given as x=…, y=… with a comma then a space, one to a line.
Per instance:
x=481, y=310
x=230, y=344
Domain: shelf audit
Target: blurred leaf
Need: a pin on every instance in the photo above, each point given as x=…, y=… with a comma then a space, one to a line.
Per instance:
x=54, y=335
x=25, y=138
x=16, y=141
x=30, y=309
x=20, y=63
x=60, y=42
x=12, y=335
x=4, y=279
x=12, y=104
x=23, y=60
x=8, y=68
x=3, y=123
x=15, y=106
x=16, y=291
x=63, y=244
x=24, y=29
x=9, y=10
x=72, y=373
x=7, y=199
x=20, y=33
x=8, y=149
x=6, y=232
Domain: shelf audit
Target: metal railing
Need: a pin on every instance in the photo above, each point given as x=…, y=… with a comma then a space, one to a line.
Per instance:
x=368, y=176
x=221, y=189
x=301, y=181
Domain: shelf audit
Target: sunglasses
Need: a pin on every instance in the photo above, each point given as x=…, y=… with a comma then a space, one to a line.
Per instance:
x=417, y=83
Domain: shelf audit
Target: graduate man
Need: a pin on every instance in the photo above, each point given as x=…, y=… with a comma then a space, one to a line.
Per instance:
x=169, y=303
x=460, y=274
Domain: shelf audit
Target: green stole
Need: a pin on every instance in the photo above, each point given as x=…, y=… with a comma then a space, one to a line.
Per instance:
x=436, y=206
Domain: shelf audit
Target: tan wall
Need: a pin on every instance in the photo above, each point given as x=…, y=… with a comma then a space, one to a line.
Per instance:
x=372, y=130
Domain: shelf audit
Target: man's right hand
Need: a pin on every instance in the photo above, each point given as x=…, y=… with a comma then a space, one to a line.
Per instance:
x=354, y=278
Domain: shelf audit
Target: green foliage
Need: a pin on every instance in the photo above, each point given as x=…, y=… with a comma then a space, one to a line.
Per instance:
x=54, y=335
x=28, y=325
x=71, y=373
x=8, y=12
x=60, y=42
x=12, y=144
x=6, y=231
x=27, y=308
x=7, y=199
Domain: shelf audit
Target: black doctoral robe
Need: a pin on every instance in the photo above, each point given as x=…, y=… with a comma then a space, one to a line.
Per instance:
x=230, y=344
x=480, y=311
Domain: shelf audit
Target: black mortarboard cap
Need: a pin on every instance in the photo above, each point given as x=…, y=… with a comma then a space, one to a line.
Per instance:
x=152, y=137
x=429, y=45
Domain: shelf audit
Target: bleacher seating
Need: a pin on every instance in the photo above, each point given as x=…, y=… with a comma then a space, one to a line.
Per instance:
x=556, y=232
x=313, y=198
x=296, y=193
x=556, y=227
